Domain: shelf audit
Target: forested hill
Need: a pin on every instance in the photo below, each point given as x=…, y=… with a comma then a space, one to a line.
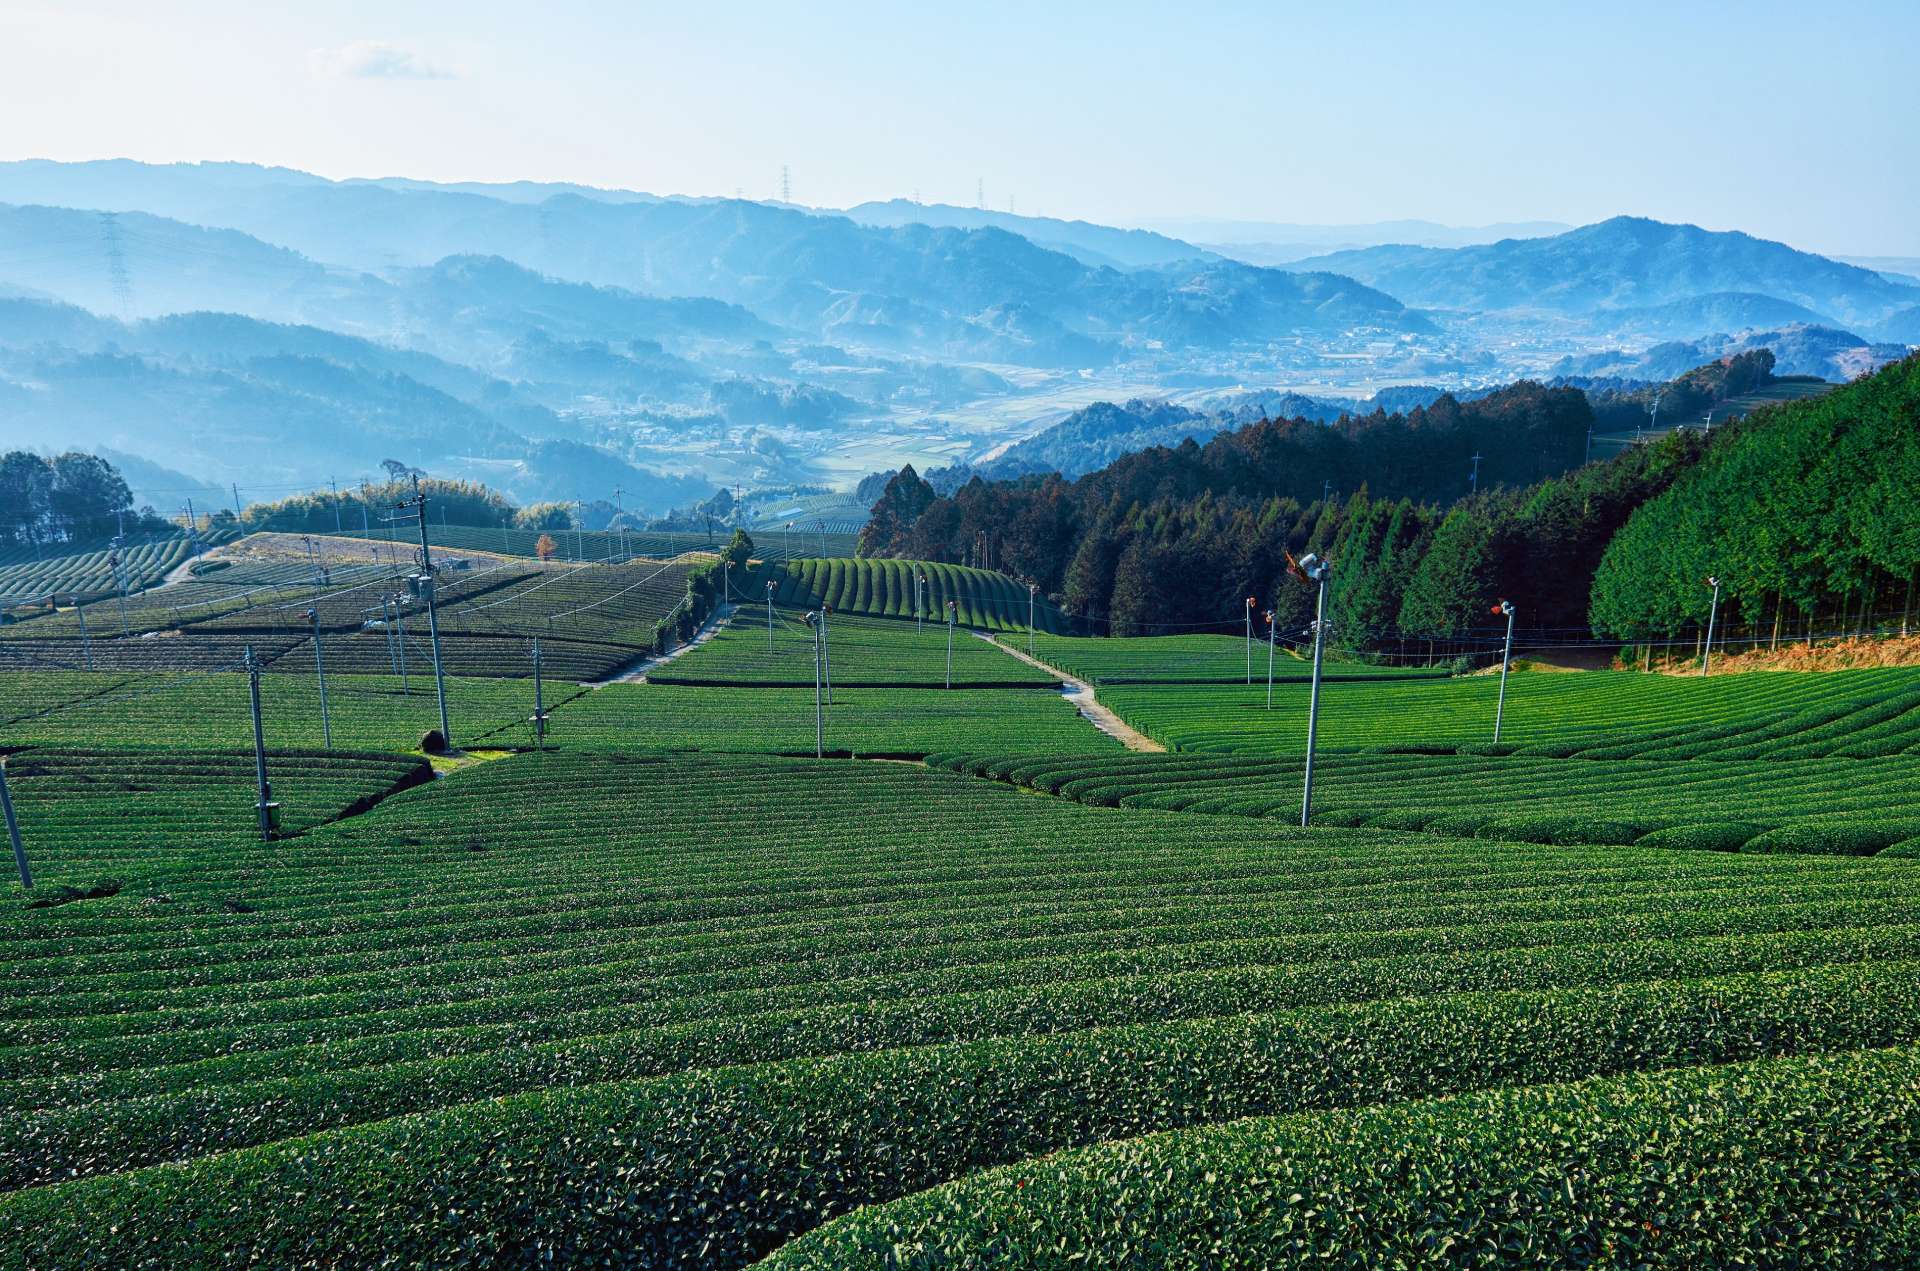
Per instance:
x=1809, y=501
x=1805, y=512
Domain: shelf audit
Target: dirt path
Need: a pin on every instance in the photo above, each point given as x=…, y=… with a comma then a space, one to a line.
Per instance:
x=1080, y=693
x=636, y=673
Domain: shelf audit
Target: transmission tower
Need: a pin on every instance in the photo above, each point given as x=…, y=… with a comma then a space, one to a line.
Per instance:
x=116, y=261
x=980, y=192
x=786, y=187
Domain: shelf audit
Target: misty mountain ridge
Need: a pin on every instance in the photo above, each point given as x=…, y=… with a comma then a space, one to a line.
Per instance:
x=1624, y=263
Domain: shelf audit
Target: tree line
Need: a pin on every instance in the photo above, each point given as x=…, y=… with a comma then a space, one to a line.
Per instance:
x=70, y=498
x=1808, y=512
x=1176, y=538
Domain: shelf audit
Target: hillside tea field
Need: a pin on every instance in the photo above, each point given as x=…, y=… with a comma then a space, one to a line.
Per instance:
x=547, y=987
x=888, y=652
x=981, y=988
x=1596, y=714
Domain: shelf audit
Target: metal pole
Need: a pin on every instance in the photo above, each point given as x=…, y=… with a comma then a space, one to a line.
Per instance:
x=13, y=831
x=769, y=619
x=1506, y=663
x=826, y=651
x=1313, y=700
x=539, y=707
x=819, y=719
x=1033, y=589
x=86, y=641
x=400, y=641
x=439, y=675
x=264, y=803
x=320, y=670
x=1249, y=639
x=949, y=644
x=919, y=581
x=1706, y=655
x=1270, y=643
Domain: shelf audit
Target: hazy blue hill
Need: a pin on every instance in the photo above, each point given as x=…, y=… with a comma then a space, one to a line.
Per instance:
x=1825, y=352
x=167, y=266
x=1096, y=435
x=1086, y=242
x=277, y=416
x=1903, y=326
x=1623, y=263
x=28, y=322
x=1717, y=311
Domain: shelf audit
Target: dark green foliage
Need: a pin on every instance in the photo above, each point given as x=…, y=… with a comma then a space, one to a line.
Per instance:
x=1708, y=1167
x=1721, y=836
x=1834, y=837
x=899, y=506
x=1806, y=509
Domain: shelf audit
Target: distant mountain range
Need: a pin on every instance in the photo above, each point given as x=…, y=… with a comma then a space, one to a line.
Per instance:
x=959, y=292
x=1627, y=263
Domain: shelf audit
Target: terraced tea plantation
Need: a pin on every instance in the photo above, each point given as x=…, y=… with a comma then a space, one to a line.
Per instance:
x=1198, y=659
x=982, y=599
x=1822, y=805
x=751, y=650
x=1640, y=985
x=450, y=1029
x=27, y=575
x=1599, y=714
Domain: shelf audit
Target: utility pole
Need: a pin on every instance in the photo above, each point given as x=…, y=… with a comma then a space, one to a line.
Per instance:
x=400, y=641
x=726, y=583
x=119, y=579
x=1506, y=663
x=320, y=671
x=1473, y=482
x=1249, y=641
x=263, y=804
x=336, y=504
x=1587, y=458
x=236, y=500
x=822, y=526
x=919, y=582
x=949, y=644
x=13, y=830
x=1270, y=644
x=1033, y=590
x=826, y=651
x=769, y=619
x=1706, y=654
x=819, y=717
x=1314, y=570
x=427, y=587
x=539, y=705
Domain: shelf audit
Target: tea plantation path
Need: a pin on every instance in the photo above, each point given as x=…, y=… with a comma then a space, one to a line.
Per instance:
x=1081, y=694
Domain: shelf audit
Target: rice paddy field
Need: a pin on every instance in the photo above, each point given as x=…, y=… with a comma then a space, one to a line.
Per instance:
x=1639, y=985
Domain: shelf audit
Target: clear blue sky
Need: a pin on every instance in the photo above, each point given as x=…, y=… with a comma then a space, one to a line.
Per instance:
x=1790, y=120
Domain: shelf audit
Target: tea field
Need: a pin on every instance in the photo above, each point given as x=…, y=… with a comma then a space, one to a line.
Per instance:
x=751, y=650
x=1595, y=714
x=982, y=599
x=1640, y=985
x=644, y=1010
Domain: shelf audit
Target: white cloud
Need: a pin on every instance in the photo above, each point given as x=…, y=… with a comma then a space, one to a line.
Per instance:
x=373, y=59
